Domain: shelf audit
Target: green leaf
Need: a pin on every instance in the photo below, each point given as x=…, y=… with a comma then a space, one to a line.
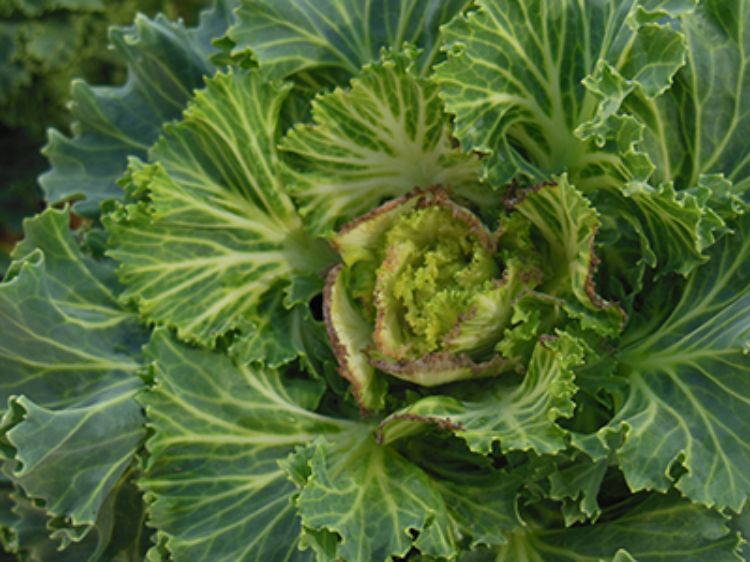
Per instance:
x=568, y=224
x=674, y=227
x=213, y=479
x=654, y=529
x=741, y=523
x=689, y=397
x=350, y=335
x=527, y=86
x=578, y=484
x=380, y=139
x=521, y=417
x=217, y=230
x=94, y=443
x=373, y=497
x=334, y=37
x=700, y=125
x=166, y=63
x=481, y=501
x=69, y=362
x=280, y=335
x=119, y=533
x=556, y=96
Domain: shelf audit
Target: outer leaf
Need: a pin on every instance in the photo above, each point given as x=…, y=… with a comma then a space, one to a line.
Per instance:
x=372, y=497
x=293, y=36
x=553, y=94
x=674, y=228
x=700, y=125
x=520, y=418
x=281, y=335
x=165, y=63
x=119, y=533
x=71, y=351
x=689, y=400
x=380, y=139
x=213, y=479
x=481, y=501
x=218, y=231
x=659, y=529
x=578, y=484
x=94, y=443
x=741, y=523
x=527, y=86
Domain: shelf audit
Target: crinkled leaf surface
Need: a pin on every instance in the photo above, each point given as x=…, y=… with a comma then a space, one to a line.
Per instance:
x=537, y=94
x=689, y=377
x=166, y=63
x=69, y=361
x=658, y=529
x=217, y=230
x=119, y=533
x=213, y=479
x=577, y=483
x=519, y=417
x=643, y=103
x=700, y=125
x=373, y=497
x=337, y=37
x=568, y=224
x=219, y=490
x=381, y=138
x=280, y=335
x=481, y=500
x=512, y=88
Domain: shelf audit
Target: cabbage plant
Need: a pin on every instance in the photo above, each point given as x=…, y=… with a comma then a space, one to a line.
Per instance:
x=392, y=280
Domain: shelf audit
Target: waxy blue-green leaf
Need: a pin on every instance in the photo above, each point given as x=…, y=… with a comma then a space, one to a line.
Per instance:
x=689, y=376
x=68, y=363
x=166, y=62
x=217, y=230
x=521, y=417
x=331, y=40
x=384, y=136
x=654, y=529
x=215, y=487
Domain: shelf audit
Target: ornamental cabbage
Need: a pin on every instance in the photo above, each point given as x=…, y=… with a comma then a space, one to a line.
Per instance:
x=391, y=280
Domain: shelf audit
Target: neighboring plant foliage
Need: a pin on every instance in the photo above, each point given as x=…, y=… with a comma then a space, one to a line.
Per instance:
x=374, y=280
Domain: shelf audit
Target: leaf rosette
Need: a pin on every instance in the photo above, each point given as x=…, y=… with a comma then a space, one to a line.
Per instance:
x=537, y=297
x=422, y=295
